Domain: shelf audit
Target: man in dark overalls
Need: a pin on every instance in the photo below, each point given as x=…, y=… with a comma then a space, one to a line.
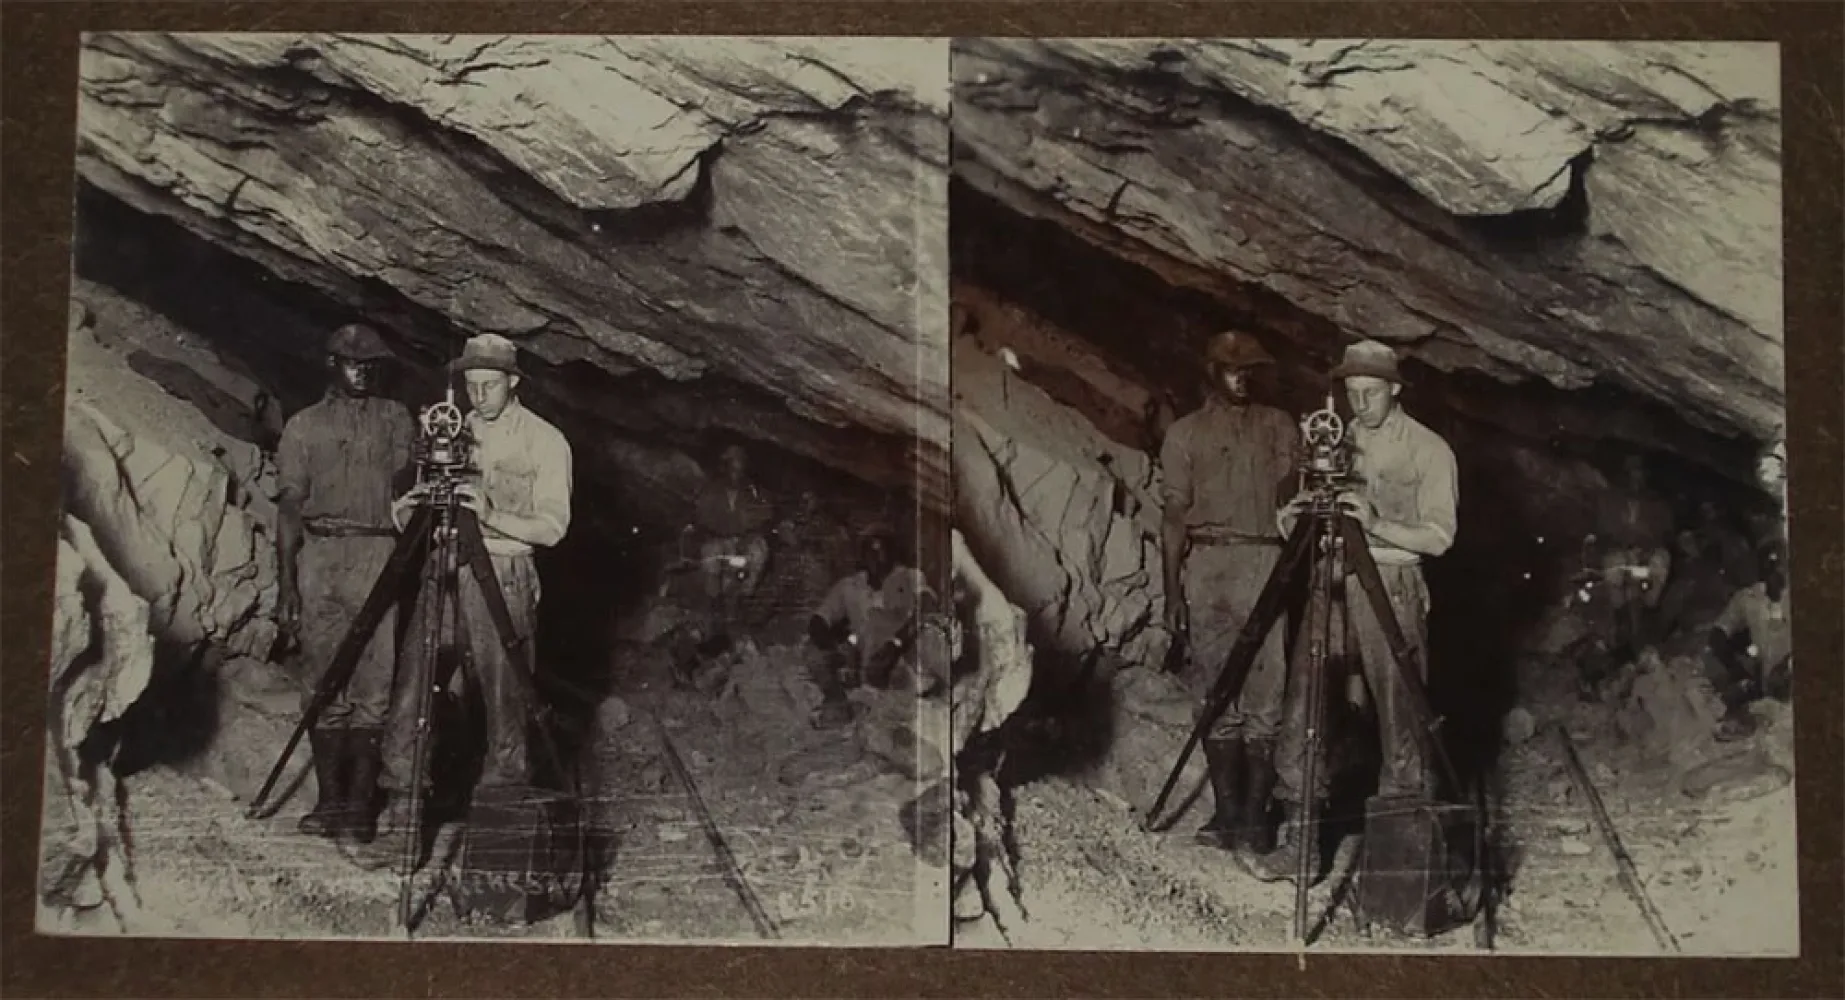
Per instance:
x=340, y=461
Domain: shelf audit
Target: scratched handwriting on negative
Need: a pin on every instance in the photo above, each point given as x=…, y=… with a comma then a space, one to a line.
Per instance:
x=825, y=879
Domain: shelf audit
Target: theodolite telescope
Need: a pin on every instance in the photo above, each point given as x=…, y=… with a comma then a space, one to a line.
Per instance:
x=1326, y=466
x=444, y=449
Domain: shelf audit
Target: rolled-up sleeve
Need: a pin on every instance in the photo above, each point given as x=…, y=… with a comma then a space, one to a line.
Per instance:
x=291, y=460
x=1176, y=470
x=552, y=486
x=832, y=609
x=1288, y=456
x=1438, y=489
x=403, y=452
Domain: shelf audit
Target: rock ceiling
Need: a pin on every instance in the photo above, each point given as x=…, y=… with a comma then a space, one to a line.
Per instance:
x=1591, y=214
x=770, y=220
x=689, y=213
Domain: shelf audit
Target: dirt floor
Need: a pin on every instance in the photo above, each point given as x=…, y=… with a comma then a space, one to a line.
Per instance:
x=812, y=819
x=1720, y=869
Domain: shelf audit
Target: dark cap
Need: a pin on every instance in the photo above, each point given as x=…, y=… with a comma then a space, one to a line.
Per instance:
x=1236, y=351
x=358, y=342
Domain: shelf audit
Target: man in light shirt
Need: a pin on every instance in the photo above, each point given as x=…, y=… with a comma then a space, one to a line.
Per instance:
x=1406, y=504
x=522, y=502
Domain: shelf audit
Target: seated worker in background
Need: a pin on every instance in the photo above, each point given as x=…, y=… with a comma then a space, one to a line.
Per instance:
x=1722, y=542
x=873, y=614
x=732, y=522
x=736, y=518
x=1630, y=546
x=1699, y=587
x=1750, y=646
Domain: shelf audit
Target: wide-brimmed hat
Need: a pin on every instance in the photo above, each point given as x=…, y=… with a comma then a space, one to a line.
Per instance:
x=1236, y=351
x=1368, y=357
x=357, y=342
x=490, y=351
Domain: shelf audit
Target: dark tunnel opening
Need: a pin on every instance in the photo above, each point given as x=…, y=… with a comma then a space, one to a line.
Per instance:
x=614, y=563
x=1519, y=537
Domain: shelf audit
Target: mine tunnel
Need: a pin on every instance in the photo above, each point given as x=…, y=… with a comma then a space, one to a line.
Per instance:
x=1518, y=448
x=229, y=342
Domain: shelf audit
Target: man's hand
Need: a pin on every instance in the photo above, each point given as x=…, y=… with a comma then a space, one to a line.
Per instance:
x=288, y=608
x=1178, y=617
x=471, y=498
x=1358, y=509
x=1290, y=512
x=1355, y=692
x=400, y=507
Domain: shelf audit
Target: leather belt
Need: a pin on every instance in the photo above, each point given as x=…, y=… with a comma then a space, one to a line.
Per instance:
x=1217, y=536
x=321, y=530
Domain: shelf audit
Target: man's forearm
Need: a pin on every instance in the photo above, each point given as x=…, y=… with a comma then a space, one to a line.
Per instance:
x=1422, y=539
x=1172, y=553
x=539, y=531
x=288, y=542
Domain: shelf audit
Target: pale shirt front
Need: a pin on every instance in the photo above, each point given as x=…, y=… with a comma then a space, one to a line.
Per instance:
x=1408, y=473
x=875, y=614
x=1771, y=637
x=1224, y=465
x=525, y=469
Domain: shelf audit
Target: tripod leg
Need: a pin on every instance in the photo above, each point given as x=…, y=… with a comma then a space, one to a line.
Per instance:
x=1307, y=860
x=416, y=801
x=1229, y=683
x=411, y=547
x=401, y=773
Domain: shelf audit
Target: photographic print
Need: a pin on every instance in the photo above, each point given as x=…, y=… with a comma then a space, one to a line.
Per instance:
x=1372, y=452
x=505, y=488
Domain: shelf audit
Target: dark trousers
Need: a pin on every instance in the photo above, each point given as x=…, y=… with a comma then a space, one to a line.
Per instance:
x=1405, y=769
x=506, y=715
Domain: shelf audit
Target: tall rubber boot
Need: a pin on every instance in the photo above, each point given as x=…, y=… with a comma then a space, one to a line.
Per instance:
x=1258, y=829
x=364, y=749
x=1224, y=758
x=324, y=819
x=1279, y=865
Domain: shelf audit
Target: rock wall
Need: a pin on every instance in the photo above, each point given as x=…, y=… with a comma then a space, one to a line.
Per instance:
x=181, y=507
x=166, y=590
x=768, y=216
x=1064, y=519
x=102, y=657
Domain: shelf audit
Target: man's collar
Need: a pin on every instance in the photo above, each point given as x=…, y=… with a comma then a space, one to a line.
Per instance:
x=1391, y=423
x=508, y=415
